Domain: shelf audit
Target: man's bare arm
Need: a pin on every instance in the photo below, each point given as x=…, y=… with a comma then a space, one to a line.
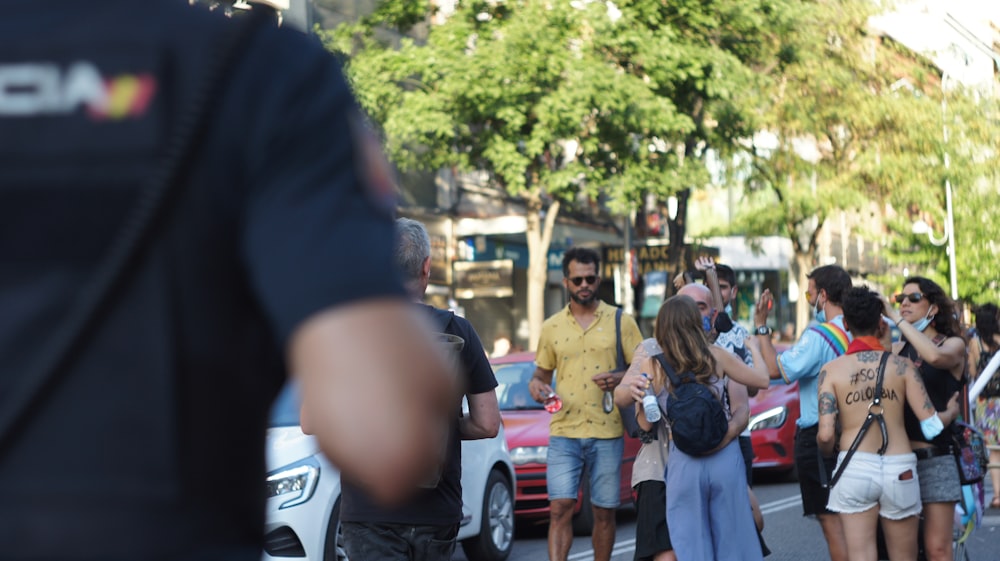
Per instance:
x=735, y=368
x=483, y=420
x=767, y=353
x=540, y=384
x=630, y=389
x=353, y=357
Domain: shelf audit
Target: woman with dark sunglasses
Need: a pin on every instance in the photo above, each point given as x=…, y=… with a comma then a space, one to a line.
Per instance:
x=932, y=339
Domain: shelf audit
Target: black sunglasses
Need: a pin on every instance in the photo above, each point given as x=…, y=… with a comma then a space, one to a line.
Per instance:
x=912, y=297
x=577, y=281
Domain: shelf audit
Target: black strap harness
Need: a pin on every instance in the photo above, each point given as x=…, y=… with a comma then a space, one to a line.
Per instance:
x=875, y=411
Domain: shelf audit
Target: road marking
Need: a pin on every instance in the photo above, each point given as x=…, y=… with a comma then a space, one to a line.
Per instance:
x=781, y=504
x=620, y=548
x=628, y=546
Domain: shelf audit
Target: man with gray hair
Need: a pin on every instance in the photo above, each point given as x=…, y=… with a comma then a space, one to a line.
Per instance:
x=425, y=527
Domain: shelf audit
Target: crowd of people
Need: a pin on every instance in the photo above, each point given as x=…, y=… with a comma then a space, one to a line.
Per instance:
x=850, y=478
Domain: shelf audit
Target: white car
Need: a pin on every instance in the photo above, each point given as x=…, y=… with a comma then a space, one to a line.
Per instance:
x=303, y=494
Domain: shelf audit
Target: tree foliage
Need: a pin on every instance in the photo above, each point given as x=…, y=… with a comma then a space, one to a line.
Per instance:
x=851, y=121
x=571, y=102
x=563, y=101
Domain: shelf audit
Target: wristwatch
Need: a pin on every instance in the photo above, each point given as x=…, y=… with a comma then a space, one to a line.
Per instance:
x=762, y=330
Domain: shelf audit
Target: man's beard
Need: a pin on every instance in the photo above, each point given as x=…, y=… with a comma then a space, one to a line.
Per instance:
x=583, y=301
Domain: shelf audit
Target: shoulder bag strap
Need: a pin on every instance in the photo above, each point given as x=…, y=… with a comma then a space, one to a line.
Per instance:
x=96, y=298
x=620, y=359
x=669, y=370
x=874, y=412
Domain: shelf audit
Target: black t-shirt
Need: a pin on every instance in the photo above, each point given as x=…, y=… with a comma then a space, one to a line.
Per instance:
x=940, y=385
x=441, y=505
x=152, y=445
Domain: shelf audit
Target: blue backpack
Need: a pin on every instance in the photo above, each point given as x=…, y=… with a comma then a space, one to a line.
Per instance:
x=696, y=416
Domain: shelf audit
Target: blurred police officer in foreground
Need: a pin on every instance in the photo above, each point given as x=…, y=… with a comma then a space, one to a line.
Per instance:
x=273, y=255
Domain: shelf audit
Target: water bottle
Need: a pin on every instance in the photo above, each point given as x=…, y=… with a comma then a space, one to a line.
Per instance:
x=649, y=404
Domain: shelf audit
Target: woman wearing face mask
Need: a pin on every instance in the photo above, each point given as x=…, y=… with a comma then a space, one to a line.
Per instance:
x=932, y=339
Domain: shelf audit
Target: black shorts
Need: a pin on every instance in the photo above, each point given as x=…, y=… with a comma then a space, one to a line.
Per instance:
x=814, y=496
x=746, y=446
x=651, y=534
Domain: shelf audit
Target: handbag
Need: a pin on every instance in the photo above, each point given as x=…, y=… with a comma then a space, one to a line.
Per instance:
x=969, y=449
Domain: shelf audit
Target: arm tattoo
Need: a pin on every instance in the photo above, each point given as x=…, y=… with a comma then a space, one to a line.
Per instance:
x=827, y=404
x=928, y=405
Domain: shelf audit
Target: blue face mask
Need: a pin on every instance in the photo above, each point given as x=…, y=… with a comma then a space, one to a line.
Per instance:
x=706, y=323
x=820, y=312
x=923, y=322
x=729, y=310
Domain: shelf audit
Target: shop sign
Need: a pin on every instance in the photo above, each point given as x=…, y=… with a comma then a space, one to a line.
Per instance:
x=648, y=258
x=489, y=279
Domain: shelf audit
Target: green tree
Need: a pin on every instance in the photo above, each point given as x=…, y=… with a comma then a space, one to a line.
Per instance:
x=841, y=130
x=963, y=127
x=565, y=102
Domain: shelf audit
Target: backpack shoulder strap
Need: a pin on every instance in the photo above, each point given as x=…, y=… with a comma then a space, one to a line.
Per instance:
x=620, y=356
x=675, y=380
x=833, y=335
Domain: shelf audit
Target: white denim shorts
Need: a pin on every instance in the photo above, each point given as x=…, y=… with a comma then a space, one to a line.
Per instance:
x=890, y=482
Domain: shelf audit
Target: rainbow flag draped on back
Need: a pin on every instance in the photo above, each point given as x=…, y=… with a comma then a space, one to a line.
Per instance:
x=833, y=335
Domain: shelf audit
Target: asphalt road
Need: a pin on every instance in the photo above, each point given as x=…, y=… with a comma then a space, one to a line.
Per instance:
x=790, y=536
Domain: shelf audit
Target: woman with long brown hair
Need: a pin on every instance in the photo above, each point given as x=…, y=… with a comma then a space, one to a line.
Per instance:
x=708, y=508
x=932, y=339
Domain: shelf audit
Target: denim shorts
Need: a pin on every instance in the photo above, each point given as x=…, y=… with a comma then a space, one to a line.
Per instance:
x=870, y=479
x=602, y=457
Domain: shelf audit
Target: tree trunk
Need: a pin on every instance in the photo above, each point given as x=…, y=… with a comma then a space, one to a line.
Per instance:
x=677, y=253
x=803, y=264
x=539, y=236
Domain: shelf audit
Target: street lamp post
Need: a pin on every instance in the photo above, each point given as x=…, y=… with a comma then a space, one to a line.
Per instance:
x=921, y=227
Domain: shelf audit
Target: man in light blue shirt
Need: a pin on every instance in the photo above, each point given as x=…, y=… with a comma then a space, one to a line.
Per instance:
x=822, y=342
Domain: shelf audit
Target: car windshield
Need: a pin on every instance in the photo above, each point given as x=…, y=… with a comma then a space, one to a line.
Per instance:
x=285, y=409
x=512, y=386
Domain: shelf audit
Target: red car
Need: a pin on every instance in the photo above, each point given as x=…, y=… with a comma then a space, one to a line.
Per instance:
x=773, y=413
x=526, y=425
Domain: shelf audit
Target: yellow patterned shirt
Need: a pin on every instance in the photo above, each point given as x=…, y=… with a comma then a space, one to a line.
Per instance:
x=576, y=355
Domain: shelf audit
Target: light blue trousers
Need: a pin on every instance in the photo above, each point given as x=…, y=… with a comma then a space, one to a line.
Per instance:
x=708, y=508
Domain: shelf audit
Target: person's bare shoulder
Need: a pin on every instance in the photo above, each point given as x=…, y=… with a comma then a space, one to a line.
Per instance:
x=836, y=368
x=901, y=365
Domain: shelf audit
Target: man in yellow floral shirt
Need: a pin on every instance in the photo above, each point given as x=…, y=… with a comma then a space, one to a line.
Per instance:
x=579, y=342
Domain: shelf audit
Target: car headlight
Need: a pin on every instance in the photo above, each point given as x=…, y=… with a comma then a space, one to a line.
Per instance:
x=770, y=419
x=296, y=481
x=529, y=455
